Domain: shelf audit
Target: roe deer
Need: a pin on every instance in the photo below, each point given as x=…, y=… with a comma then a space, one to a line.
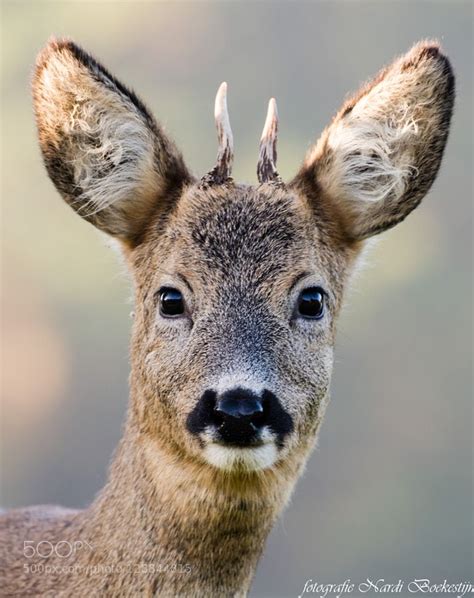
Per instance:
x=237, y=292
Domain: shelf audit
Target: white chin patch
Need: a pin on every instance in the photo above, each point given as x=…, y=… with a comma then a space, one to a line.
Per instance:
x=248, y=459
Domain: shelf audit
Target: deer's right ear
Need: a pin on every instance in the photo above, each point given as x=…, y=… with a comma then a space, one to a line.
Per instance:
x=102, y=148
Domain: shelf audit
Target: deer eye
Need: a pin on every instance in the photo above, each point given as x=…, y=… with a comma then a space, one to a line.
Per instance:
x=171, y=302
x=311, y=303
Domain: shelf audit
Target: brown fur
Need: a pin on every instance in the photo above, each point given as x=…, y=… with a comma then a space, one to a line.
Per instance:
x=168, y=522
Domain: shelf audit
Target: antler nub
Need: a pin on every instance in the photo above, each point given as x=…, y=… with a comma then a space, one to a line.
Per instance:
x=225, y=154
x=266, y=167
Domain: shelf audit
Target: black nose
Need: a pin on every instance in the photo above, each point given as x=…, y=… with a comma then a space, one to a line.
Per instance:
x=238, y=416
x=240, y=404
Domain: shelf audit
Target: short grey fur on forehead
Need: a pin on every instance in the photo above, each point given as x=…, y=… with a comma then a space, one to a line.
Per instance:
x=266, y=167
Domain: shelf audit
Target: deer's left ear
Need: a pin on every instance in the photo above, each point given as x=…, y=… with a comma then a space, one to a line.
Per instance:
x=381, y=153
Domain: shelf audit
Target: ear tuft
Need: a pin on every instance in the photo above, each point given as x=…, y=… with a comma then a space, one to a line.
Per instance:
x=101, y=146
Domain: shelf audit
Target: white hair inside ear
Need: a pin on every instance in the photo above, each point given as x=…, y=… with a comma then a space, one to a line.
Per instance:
x=371, y=153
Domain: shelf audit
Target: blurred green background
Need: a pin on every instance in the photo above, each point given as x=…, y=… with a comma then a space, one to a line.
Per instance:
x=388, y=493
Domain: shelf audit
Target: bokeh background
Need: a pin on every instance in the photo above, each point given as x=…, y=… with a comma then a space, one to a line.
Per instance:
x=388, y=493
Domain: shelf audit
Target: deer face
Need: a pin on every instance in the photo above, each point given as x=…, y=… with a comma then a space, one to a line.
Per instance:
x=235, y=321
x=237, y=288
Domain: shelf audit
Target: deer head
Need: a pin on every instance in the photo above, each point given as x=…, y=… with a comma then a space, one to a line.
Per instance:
x=238, y=288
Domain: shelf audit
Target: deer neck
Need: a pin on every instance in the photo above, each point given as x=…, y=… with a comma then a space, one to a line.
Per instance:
x=191, y=529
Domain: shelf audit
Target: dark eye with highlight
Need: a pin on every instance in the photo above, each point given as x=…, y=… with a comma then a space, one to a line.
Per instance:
x=311, y=303
x=171, y=302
